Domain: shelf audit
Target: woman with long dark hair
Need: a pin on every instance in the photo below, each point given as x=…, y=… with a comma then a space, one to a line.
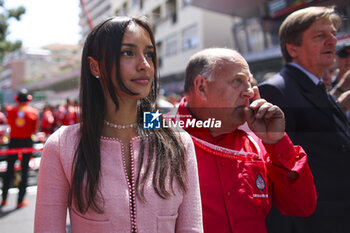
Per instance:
x=111, y=173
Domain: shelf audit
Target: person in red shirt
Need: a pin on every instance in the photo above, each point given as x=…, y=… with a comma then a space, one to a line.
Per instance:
x=246, y=161
x=70, y=114
x=3, y=128
x=47, y=121
x=23, y=121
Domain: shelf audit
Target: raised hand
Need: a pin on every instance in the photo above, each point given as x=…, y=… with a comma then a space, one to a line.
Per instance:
x=265, y=119
x=344, y=101
x=342, y=86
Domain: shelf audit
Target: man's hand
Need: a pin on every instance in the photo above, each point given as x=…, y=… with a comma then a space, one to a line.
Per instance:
x=265, y=119
x=342, y=86
x=344, y=101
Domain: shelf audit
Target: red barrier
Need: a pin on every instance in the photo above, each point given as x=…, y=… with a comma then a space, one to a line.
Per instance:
x=33, y=163
x=25, y=150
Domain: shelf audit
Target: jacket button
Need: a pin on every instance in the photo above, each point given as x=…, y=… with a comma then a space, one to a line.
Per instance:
x=228, y=194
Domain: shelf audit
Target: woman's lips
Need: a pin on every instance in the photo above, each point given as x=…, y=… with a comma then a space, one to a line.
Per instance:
x=141, y=81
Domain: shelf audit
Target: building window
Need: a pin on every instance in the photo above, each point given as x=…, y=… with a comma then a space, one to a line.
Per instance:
x=190, y=38
x=241, y=38
x=123, y=10
x=171, y=46
x=171, y=10
x=186, y=2
x=156, y=15
x=159, y=47
x=256, y=40
x=141, y=4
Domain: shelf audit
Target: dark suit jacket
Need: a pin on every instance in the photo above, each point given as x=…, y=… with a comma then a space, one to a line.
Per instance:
x=321, y=129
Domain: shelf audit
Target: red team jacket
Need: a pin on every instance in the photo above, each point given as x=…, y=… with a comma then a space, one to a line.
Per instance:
x=23, y=120
x=237, y=192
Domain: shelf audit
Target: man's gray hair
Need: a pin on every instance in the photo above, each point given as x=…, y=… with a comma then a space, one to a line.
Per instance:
x=205, y=63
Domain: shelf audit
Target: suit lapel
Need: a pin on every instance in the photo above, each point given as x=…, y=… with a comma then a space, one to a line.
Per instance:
x=317, y=97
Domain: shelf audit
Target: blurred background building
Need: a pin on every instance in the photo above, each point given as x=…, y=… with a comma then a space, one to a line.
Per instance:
x=93, y=12
x=44, y=72
x=256, y=31
x=182, y=27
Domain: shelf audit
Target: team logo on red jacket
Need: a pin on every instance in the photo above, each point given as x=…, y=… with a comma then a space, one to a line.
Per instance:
x=20, y=121
x=260, y=182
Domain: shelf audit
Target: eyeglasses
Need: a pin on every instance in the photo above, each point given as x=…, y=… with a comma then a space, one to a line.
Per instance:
x=344, y=53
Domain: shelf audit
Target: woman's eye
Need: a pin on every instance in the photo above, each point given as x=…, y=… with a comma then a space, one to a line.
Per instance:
x=149, y=54
x=127, y=53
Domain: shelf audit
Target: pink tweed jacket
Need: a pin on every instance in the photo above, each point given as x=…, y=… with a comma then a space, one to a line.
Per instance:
x=180, y=213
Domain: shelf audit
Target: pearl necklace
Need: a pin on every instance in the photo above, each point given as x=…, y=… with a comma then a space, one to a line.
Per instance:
x=119, y=126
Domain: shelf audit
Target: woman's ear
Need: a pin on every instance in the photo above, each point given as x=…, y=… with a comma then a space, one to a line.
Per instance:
x=94, y=68
x=200, y=86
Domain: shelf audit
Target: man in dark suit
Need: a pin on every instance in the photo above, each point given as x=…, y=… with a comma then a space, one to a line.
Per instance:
x=313, y=118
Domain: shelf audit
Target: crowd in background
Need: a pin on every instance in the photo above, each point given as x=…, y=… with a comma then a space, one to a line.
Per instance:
x=53, y=117
x=50, y=118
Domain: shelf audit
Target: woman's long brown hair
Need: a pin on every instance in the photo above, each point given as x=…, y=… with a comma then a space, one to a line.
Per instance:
x=165, y=147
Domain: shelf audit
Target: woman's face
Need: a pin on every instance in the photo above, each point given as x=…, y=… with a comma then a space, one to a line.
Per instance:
x=136, y=64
